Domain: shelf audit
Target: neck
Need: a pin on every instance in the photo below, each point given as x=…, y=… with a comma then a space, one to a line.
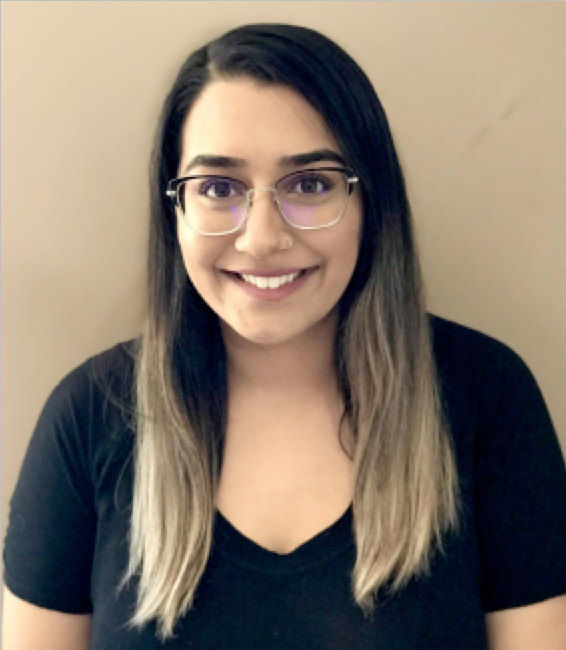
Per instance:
x=306, y=361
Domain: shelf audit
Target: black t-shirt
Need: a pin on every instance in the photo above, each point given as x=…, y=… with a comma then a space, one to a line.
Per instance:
x=66, y=547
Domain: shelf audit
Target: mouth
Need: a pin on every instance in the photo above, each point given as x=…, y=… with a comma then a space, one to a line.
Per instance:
x=270, y=280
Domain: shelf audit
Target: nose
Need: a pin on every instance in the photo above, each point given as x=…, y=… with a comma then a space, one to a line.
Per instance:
x=265, y=231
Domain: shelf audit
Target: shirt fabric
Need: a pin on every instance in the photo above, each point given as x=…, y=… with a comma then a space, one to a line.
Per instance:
x=66, y=547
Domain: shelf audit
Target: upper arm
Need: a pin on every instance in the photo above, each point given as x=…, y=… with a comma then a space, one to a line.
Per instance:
x=519, y=491
x=28, y=627
x=52, y=523
x=541, y=626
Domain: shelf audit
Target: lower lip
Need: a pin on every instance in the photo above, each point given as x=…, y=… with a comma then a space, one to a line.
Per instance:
x=271, y=294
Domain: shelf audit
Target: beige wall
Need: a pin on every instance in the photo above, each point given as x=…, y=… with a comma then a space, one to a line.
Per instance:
x=475, y=93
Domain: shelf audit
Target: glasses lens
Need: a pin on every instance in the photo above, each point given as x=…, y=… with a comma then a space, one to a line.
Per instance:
x=313, y=198
x=213, y=204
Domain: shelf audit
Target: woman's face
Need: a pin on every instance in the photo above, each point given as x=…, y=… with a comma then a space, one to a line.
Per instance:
x=253, y=133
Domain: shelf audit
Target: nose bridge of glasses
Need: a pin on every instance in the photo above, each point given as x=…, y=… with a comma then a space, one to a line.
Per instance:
x=254, y=190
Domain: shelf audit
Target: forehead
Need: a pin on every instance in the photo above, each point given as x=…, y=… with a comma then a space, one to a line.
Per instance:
x=259, y=123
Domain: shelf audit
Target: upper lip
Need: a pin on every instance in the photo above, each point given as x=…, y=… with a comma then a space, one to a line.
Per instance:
x=269, y=273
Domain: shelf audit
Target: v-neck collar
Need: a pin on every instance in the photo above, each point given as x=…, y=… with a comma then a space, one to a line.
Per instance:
x=320, y=548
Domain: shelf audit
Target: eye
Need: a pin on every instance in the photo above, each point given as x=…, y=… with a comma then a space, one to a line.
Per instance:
x=310, y=185
x=220, y=188
x=307, y=183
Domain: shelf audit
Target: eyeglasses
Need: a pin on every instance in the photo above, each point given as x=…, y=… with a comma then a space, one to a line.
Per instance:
x=308, y=199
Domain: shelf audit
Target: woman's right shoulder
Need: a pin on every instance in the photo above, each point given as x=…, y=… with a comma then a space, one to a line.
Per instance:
x=112, y=368
x=93, y=405
x=107, y=377
x=72, y=468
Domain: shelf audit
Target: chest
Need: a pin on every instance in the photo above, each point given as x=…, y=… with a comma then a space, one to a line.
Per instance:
x=280, y=485
x=252, y=598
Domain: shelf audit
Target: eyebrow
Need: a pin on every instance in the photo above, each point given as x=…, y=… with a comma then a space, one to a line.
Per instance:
x=295, y=160
x=319, y=155
x=209, y=160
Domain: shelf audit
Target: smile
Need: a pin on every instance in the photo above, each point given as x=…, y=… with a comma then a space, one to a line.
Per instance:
x=271, y=285
x=262, y=282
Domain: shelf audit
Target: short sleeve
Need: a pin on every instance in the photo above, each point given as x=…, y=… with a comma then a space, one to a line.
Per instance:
x=52, y=524
x=520, y=483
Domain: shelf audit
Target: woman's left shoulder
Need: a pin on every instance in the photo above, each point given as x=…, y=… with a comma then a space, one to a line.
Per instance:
x=471, y=350
x=511, y=465
x=484, y=379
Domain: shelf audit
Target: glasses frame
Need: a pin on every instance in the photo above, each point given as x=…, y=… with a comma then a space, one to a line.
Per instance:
x=173, y=185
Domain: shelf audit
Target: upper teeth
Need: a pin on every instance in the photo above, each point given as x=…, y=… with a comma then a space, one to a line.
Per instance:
x=261, y=282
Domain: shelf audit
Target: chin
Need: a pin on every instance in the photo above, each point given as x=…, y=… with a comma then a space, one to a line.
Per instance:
x=262, y=336
x=279, y=332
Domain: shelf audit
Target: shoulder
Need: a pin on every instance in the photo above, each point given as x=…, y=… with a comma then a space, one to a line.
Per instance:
x=101, y=386
x=80, y=444
x=109, y=372
x=481, y=375
x=497, y=414
x=89, y=415
x=512, y=472
x=483, y=379
x=469, y=349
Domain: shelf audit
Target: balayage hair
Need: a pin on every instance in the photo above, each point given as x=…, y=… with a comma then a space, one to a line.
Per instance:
x=405, y=492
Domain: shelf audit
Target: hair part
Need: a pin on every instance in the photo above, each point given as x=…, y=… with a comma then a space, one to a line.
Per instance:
x=406, y=494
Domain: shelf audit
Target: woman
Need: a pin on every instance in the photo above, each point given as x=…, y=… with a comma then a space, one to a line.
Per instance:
x=293, y=455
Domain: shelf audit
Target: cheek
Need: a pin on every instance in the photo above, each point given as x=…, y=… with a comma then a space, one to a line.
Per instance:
x=199, y=255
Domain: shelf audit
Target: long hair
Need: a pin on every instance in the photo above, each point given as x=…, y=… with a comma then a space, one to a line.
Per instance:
x=405, y=493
